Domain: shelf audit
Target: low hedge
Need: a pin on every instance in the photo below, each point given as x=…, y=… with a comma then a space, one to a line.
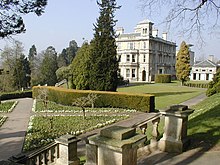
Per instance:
x=15, y=95
x=163, y=78
x=141, y=102
x=197, y=85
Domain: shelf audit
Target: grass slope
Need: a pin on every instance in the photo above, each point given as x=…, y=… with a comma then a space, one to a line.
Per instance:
x=204, y=124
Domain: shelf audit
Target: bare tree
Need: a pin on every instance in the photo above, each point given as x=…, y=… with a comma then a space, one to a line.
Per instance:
x=192, y=17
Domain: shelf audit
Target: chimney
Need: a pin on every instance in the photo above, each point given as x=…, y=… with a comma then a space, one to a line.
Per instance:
x=119, y=30
x=211, y=58
x=164, y=36
x=155, y=32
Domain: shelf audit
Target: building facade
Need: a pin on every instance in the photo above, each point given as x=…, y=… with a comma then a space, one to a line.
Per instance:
x=142, y=54
x=204, y=70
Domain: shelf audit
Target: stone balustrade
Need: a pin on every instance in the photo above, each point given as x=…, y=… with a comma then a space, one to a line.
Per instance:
x=61, y=152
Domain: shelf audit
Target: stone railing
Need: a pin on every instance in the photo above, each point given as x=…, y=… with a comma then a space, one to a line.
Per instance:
x=117, y=145
x=61, y=152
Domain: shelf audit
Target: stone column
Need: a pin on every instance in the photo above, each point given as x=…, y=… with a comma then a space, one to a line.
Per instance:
x=115, y=145
x=175, y=129
x=67, y=150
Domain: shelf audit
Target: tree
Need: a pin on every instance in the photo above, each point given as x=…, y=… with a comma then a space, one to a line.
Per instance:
x=16, y=67
x=49, y=66
x=22, y=73
x=104, y=64
x=183, y=63
x=71, y=51
x=62, y=59
x=32, y=53
x=32, y=56
x=11, y=14
x=64, y=73
x=81, y=67
x=214, y=85
x=192, y=16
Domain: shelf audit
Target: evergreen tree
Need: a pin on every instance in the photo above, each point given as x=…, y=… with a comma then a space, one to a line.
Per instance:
x=183, y=63
x=32, y=59
x=214, y=85
x=32, y=53
x=62, y=59
x=71, y=51
x=49, y=66
x=104, y=64
x=12, y=12
x=81, y=67
x=22, y=73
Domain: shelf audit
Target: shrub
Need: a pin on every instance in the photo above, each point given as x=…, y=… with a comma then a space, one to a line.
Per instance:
x=15, y=95
x=163, y=78
x=214, y=85
x=197, y=85
x=141, y=102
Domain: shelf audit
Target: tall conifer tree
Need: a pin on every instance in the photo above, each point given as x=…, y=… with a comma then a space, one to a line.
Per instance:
x=183, y=63
x=104, y=71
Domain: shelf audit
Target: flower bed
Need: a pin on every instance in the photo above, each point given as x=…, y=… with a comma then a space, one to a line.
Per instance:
x=53, y=107
x=7, y=106
x=44, y=129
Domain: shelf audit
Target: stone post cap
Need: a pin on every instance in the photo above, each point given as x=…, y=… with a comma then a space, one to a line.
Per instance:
x=67, y=139
x=117, y=138
x=118, y=132
x=177, y=110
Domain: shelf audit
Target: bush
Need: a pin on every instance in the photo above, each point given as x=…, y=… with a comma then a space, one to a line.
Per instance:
x=214, y=85
x=163, y=78
x=197, y=85
x=141, y=102
x=15, y=95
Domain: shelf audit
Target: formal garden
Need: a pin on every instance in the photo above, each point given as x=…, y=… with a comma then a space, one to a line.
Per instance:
x=51, y=120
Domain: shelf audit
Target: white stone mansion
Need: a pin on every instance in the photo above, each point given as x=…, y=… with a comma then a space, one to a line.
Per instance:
x=142, y=54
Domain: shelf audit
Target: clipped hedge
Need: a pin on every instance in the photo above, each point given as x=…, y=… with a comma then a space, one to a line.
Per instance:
x=197, y=85
x=15, y=95
x=163, y=78
x=141, y=102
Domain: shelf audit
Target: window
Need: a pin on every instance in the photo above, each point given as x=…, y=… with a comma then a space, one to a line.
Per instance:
x=131, y=45
x=210, y=70
x=133, y=73
x=127, y=72
x=194, y=76
x=203, y=70
x=145, y=31
x=133, y=58
x=197, y=70
x=145, y=45
x=144, y=58
x=119, y=46
x=119, y=58
x=128, y=58
x=207, y=76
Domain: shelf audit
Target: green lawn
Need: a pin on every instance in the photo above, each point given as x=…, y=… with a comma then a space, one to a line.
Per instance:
x=166, y=94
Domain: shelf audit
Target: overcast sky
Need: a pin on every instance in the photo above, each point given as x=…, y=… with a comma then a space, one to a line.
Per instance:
x=66, y=20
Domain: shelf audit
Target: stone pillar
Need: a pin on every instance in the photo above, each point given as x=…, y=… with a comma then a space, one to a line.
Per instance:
x=115, y=145
x=67, y=150
x=175, y=129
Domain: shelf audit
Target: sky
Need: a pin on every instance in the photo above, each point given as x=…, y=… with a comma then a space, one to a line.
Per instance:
x=68, y=20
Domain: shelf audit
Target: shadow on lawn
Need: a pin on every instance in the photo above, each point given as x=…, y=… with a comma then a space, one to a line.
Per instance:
x=158, y=94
